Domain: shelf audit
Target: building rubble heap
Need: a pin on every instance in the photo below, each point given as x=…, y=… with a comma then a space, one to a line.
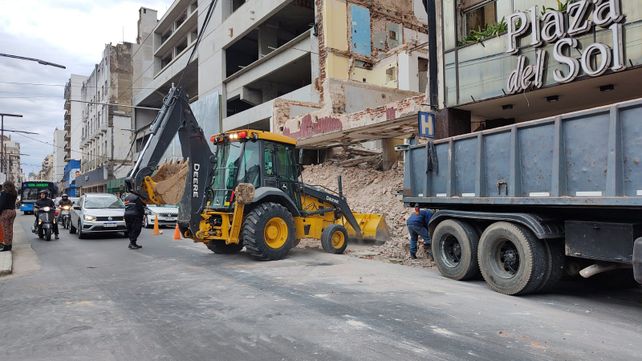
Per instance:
x=370, y=191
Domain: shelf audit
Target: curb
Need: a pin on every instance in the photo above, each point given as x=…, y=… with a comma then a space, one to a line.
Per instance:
x=6, y=263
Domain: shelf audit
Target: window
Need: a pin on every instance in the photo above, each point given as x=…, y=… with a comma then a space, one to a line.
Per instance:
x=284, y=162
x=250, y=172
x=478, y=16
x=268, y=160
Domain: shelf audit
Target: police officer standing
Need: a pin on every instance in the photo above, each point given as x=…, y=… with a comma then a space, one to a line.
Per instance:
x=134, y=212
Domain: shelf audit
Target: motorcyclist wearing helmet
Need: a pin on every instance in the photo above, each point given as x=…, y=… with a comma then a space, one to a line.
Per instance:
x=65, y=201
x=45, y=201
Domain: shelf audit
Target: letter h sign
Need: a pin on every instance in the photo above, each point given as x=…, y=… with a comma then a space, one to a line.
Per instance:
x=426, y=122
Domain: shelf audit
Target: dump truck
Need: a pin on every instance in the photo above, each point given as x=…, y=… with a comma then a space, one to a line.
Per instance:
x=528, y=203
x=247, y=192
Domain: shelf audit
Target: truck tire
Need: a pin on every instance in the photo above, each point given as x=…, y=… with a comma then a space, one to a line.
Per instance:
x=555, y=268
x=334, y=239
x=219, y=247
x=268, y=231
x=454, y=248
x=511, y=259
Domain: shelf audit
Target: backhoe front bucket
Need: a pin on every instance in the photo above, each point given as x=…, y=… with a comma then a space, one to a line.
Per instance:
x=373, y=227
x=167, y=184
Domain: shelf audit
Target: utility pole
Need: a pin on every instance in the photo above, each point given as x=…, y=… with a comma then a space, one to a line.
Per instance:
x=2, y=115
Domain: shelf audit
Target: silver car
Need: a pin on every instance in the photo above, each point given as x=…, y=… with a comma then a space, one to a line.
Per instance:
x=167, y=215
x=98, y=213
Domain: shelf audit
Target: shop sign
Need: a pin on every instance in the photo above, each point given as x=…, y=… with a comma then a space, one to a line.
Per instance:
x=561, y=29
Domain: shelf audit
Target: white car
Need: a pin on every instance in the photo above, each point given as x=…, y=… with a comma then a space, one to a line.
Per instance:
x=167, y=215
x=97, y=213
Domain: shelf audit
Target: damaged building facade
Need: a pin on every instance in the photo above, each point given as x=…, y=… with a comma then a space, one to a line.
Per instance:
x=327, y=72
x=106, y=132
x=508, y=61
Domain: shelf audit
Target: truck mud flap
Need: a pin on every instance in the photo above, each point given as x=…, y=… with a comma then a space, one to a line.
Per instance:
x=637, y=260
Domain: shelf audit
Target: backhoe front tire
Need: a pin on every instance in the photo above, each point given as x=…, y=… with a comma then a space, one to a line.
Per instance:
x=334, y=239
x=268, y=231
x=219, y=247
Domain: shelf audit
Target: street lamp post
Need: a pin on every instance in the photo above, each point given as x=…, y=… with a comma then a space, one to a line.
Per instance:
x=2, y=115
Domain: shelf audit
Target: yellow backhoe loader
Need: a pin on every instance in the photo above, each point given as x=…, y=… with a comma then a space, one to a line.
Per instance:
x=246, y=192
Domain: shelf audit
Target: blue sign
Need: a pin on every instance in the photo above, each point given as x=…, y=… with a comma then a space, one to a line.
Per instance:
x=426, y=124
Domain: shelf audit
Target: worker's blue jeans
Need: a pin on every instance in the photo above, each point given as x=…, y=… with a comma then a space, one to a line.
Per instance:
x=416, y=231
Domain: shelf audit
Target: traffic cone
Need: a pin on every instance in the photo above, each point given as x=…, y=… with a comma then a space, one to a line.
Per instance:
x=156, y=229
x=177, y=233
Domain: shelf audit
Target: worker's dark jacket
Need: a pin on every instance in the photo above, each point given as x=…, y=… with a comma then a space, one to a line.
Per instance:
x=134, y=206
x=420, y=219
x=41, y=203
x=63, y=202
x=7, y=201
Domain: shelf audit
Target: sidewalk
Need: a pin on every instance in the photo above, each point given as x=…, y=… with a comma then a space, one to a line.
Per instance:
x=6, y=258
x=6, y=263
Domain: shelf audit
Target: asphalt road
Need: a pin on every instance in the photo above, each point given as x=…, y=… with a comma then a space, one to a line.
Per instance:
x=95, y=299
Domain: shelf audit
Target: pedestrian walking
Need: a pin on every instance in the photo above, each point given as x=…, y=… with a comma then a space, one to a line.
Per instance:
x=418, y=226
x=134, y=212
x=7, y=214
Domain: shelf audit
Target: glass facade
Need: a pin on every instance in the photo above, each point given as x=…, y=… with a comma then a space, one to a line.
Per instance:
x=480, y=71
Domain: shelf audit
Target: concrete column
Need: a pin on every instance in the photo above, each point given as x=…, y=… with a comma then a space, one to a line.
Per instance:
x=389, y=155
x=451, y=122
x=267, y=39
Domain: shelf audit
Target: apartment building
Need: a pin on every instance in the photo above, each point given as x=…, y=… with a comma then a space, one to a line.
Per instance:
x=106, y=132
x=328, y=72
x=73, y=116
x=508, y=61
x=11, y=166
x=59, y=156
x=46, y=172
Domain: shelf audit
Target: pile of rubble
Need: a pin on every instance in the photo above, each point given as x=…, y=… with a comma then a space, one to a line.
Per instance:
x=370, y=191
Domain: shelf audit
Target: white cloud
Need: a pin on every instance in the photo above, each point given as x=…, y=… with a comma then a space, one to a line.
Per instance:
x=68, y=32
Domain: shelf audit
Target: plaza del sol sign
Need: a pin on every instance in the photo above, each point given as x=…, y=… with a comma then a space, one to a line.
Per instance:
x=561, y=29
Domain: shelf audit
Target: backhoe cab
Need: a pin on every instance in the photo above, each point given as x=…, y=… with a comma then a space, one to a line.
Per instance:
x=246, y=193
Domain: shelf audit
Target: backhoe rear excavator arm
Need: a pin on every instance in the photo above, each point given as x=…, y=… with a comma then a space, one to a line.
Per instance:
x=184, y=182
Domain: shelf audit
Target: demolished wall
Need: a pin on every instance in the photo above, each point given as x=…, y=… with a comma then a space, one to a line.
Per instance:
x=364, y=47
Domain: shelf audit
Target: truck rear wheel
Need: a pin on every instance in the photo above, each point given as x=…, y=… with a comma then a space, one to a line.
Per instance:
x=219, y=247
x=511, y=259
x=555, y=268
x=334, y=239
x=268, y=231
x=454, y=247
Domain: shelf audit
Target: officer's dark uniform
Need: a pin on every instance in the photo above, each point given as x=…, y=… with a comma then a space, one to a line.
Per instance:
x=134, y=212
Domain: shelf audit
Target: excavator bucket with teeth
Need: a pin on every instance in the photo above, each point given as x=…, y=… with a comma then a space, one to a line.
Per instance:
x=167, y=184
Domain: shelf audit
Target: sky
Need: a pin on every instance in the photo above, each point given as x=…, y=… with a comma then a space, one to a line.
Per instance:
x=72, y=33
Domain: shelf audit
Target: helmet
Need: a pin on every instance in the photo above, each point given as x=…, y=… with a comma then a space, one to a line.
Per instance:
x=44, y=191
x=64, y=196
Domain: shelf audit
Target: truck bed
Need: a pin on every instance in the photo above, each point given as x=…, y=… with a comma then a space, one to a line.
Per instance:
x=591, y=158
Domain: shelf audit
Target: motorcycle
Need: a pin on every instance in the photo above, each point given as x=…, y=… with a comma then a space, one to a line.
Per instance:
x=65, y=216
x=45, y=223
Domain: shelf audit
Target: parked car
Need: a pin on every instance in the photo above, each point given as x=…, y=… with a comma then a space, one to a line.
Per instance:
x=167, y=215
x=98, y=213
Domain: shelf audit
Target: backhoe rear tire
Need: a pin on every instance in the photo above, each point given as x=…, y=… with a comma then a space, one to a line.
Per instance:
x=334, y=239
x=219, y=247
x=268, y=231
